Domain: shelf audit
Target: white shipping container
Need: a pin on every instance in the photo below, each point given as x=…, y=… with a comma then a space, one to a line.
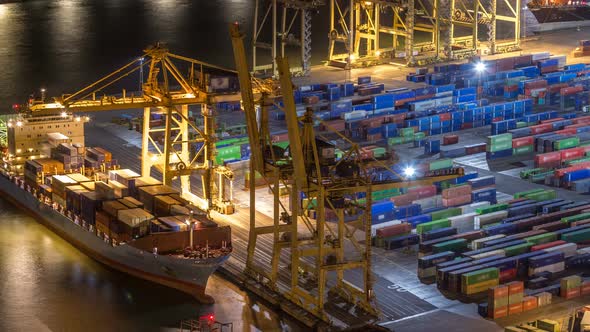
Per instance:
x=499, y=252
x=583, y=251
x=424, y=105
x=463, y=223
x=354, y=115
x=553, y=268
x=561, y=60
x=443, y=101
x=478, y=243
x=544, y=298
x=374, y=228
x=540, y=56
x=444, y=94
x=471, y=207
x=568, y=249
x=490, y=218
x=429, y=202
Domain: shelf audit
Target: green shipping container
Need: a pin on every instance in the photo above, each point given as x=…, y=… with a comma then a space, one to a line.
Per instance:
x=544, y=195
x=285, y=144
x=570, y=282
x=577, y=161
x=440, y=164
x=497, y=139
x=582, y=235
x=521, y=124
x=499, y=146
x=395, y=141
x=480, y=276
x=405, y=132
x=431, y=225
x=541, y=238
x=566, y=143
x=528, y=172
x=524, y=193
x=443, y=214
x=491, y=208
x=577, y=217
x=408, y=139
x=517, y=249
x=419, y=135
x=523, y=149
x=452, y=245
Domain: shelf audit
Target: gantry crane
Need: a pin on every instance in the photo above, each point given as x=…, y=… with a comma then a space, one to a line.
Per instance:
x=169, y=92
x=323, y=253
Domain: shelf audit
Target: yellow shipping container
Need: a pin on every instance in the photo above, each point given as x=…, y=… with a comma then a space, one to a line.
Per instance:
x=481, y=287
x=548, y=325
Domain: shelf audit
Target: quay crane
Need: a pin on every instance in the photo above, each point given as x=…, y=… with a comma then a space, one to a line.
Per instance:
x=167, y=92
x=322, y=252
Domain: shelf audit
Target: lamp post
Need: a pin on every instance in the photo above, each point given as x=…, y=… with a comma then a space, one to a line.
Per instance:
x=190, y=222
x=480, y=67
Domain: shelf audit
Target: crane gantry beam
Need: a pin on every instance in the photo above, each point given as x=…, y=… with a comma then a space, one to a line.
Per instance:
x=167, y=91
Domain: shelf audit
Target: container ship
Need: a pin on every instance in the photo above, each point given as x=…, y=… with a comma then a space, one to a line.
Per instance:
x=556, y=14
x=130, y=223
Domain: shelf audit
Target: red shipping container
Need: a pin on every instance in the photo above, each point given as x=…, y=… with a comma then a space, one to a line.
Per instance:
x=585, y=289
x=457, y=200
x=547, y=158
x=515, y=287
x=571, y=90
x=523, y=141
x=498, y=312
x=374, y=137
x=311, y=100
x=336, y=125
x=467, y=125
x=571, y=293
x=541, y=128
x=450, y=139
x=279, y=137
x=557, y=87
x=514, y=309
x=507, y=275
x=497, y=119
x=476, y=149
x=456, y=191
x=547, y=245
x=405, y=199
x=497, y=292
x=424, y=191
x=569, y=154
x=536, y=84
x=580, y=223
x=445, y=116
x=567, y=131
x=529, y=303
x=394, y=230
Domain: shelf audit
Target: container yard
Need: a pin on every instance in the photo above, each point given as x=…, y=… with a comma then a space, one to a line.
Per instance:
x=454, y=192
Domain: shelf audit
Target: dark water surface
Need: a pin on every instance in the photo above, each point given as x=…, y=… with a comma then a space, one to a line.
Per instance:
x=45, y=283
x=65, y=44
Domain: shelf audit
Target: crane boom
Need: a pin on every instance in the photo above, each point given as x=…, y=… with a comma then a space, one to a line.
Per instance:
x=248, y=102
x=295, y=146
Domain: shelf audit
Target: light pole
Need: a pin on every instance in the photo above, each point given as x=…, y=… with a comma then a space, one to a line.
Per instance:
x=480, y=67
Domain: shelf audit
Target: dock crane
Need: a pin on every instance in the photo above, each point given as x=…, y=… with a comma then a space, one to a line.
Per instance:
x=167, y=91
x=322, y=252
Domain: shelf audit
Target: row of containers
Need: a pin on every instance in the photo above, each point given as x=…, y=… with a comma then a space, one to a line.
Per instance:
x=535, y=238
x=543, y=78
x=558, y=148
x=540, y=325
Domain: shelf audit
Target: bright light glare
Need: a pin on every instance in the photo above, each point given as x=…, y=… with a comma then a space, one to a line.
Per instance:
x=378, y=53
x=352, y=57
x=480, y=67
x=409, y=171
x=64, y=114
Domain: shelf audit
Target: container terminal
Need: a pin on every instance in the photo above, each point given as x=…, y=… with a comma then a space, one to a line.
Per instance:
x=451, y=195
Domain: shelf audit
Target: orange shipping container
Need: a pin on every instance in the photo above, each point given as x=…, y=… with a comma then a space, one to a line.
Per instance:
x=570, y=294
x=514, y=309
x=515, y=287
x=498, y=312
x=585, y=289
x=529, y=303
x=497, y=292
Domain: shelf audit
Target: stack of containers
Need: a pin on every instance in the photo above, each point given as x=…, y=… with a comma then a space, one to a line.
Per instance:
x=551, y=262
x=385, y=234
x=499, y=146
x=515, y=297
x=427, y=264
x=498, y=301
x=570, y=287
x=548, y=325
x=454, y=196
x=480, y=280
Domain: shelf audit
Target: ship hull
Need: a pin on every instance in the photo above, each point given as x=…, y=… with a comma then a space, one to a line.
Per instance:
x=187, y=275
x=553, y=18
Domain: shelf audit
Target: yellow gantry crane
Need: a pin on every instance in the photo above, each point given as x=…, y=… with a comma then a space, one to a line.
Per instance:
x=330, y=254
x=169, y=92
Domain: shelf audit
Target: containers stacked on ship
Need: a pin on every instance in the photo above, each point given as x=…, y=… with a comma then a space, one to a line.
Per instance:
x=147, y=195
